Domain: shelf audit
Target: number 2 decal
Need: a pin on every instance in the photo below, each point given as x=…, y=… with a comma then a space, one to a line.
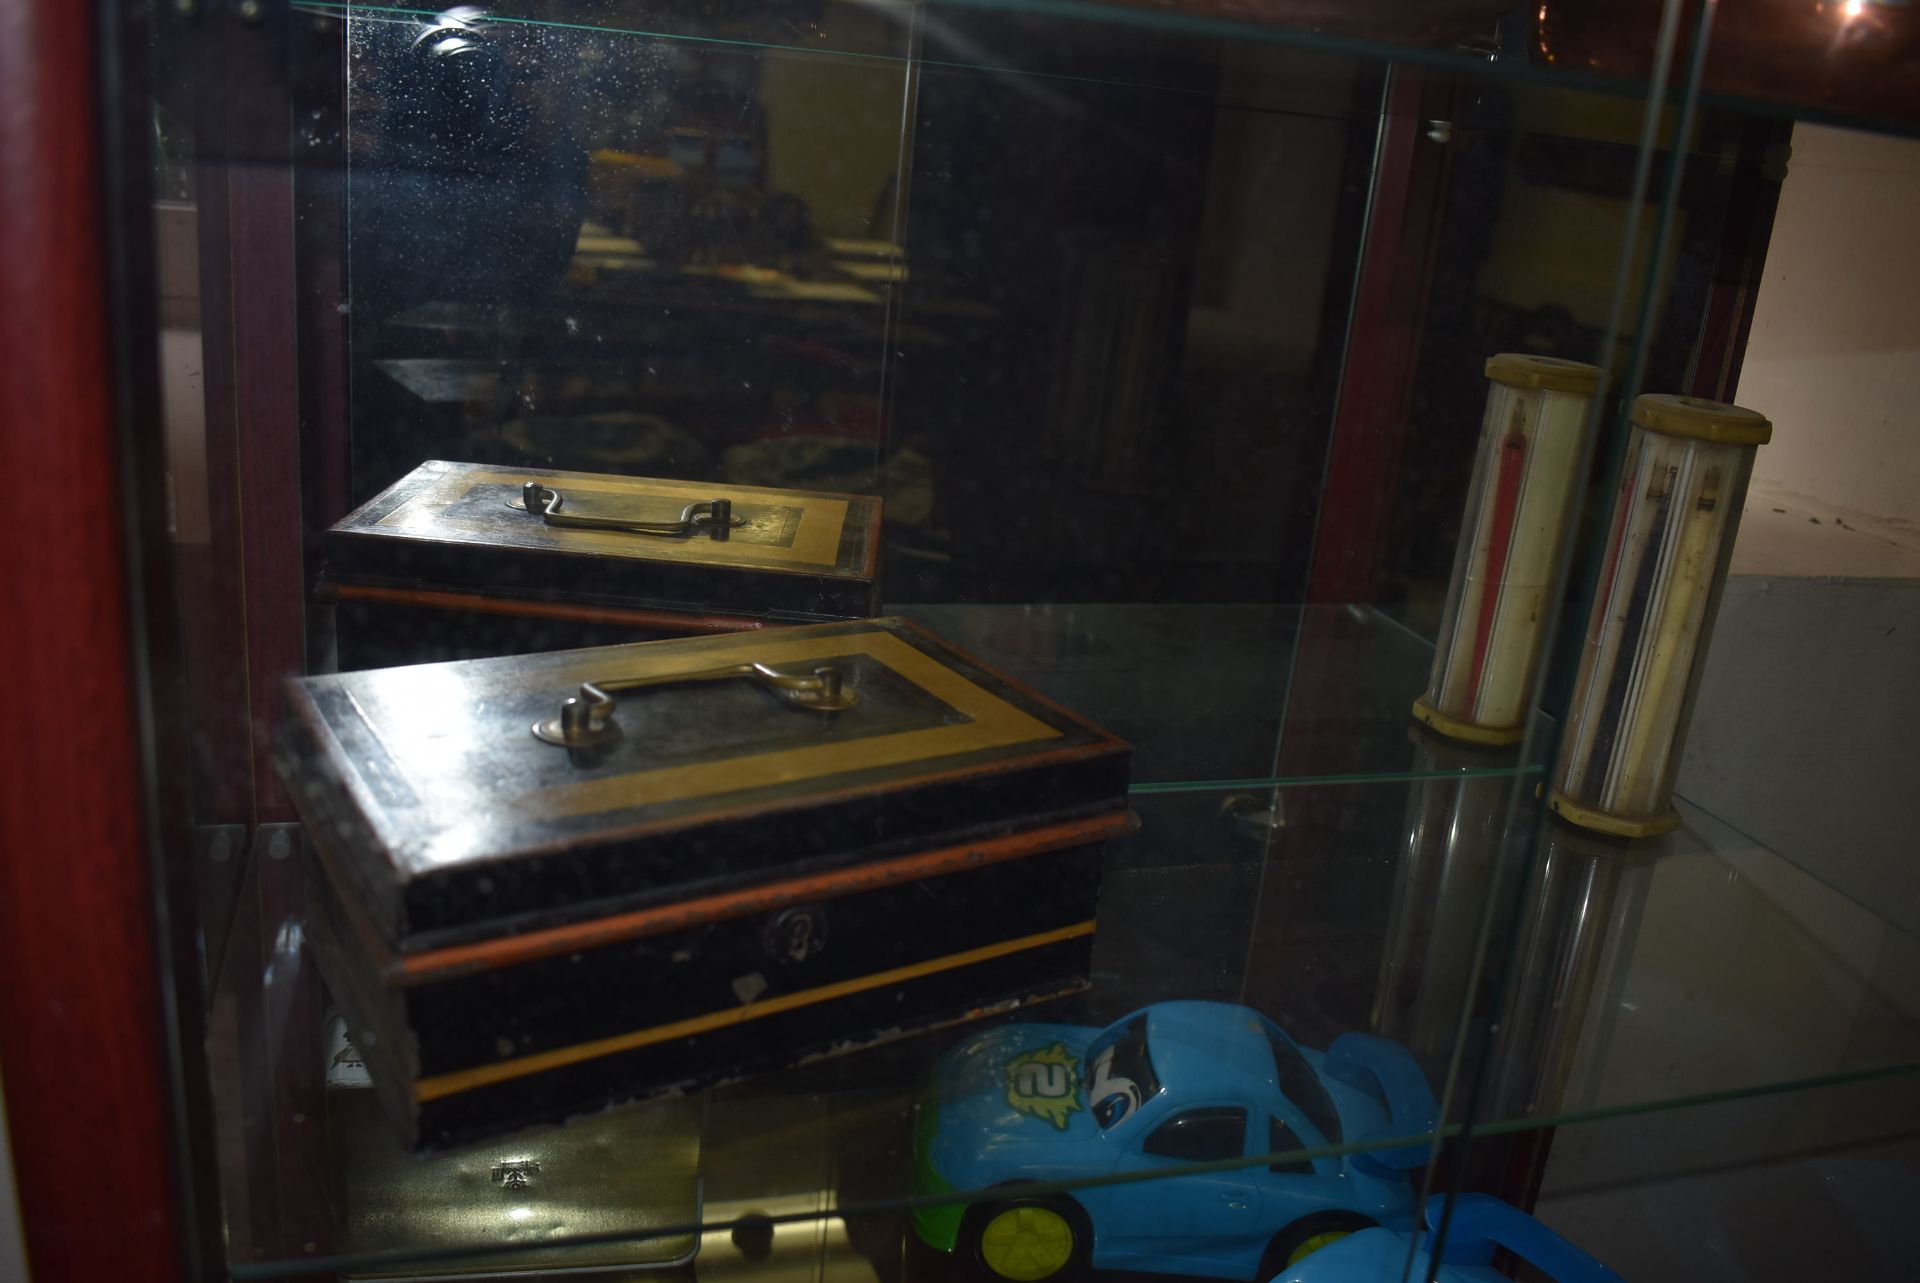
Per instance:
x=1045, y=1082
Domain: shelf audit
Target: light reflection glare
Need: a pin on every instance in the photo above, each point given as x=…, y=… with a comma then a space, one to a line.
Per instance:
x=1853, y=9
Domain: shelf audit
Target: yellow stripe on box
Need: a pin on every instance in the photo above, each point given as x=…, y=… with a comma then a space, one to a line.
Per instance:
x=815, y=545
x=449, y=1084
x=991, y=723
x=388, y=703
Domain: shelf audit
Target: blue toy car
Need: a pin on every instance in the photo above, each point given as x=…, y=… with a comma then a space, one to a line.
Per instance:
x=1480, y=1224
x=1172, y=1084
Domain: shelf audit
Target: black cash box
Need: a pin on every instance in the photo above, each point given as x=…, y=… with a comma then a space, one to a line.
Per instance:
x=544, y=883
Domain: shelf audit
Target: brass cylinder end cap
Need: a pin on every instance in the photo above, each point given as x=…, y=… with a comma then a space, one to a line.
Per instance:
x=1546, y=373
x=1703, y=420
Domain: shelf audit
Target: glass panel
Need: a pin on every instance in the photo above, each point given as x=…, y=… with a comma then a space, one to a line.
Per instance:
x=1842, y=62
x=1697, y=964
x=594, y=247
x=1586, y=923
x=1210, y=693
x=1729, y=1190
x=1647, y=313
x=1163, y=333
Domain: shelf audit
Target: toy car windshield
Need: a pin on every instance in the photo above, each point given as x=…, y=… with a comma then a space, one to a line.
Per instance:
x=1120, y=1072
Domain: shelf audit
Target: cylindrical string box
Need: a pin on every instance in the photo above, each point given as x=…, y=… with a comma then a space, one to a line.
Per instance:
x=1674, y=521
x=1511, y=534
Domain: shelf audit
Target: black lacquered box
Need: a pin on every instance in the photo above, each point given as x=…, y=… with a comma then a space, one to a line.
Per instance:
x=460, y=560
x=545, y=883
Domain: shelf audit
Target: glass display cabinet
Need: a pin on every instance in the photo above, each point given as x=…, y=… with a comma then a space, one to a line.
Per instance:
x=1349, y=784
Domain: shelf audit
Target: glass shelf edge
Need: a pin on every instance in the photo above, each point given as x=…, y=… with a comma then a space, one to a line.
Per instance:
x=1084, y=12
x=343, y=1262
x=1164, y=787
x=1467, y=65
x=1756, y=847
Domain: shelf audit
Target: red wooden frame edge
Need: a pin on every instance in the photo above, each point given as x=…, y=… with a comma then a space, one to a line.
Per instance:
x=89, y=1051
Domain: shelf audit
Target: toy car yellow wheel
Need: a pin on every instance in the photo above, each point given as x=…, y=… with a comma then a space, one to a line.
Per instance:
x=1029, y=1240
x=1314, y=1243
x=1306, y=1236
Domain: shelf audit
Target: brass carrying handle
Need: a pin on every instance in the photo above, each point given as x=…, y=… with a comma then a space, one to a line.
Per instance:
x=586, y=719
x=715, y=516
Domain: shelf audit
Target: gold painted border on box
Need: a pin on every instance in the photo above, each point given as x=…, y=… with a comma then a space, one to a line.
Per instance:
x=455, y=1081
x=816, y=542
x=993, y=723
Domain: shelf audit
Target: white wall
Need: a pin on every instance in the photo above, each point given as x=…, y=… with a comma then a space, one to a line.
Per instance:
x=1802, y=735
x=13, y=1248
x=1834, y=358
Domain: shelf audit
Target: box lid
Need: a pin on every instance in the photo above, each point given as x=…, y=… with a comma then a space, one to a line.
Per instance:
x=451, y=819
x=467, y=526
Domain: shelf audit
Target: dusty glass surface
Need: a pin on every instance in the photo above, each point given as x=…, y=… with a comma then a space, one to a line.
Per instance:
x=584, y=247
x=1161, y=332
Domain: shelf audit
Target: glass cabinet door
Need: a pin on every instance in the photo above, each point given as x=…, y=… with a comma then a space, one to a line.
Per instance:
x=1240, y=382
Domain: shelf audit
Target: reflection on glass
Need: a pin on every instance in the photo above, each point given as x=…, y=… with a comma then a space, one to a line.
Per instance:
x=662, y=254
x=1078, y=300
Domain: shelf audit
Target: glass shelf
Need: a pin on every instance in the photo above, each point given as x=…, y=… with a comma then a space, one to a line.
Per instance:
x=1758, y=64
x=1718, y=968
x=996, y=37
x=1699, y=968
x=1217, y=697
x=1724, y=1192
x=986, y=36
